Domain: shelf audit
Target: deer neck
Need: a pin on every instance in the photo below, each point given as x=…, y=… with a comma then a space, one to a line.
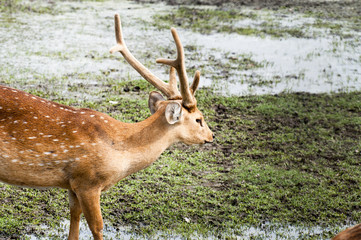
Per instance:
x=138, y=145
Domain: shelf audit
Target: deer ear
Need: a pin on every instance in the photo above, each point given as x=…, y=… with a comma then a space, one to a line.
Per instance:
x=173, y=112
x=154, y=99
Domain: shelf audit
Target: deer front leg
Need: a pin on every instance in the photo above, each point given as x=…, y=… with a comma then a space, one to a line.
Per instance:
x=90, y=204
x=75, y=211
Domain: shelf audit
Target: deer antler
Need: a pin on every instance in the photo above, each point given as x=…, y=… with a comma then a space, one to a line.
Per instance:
x=169, y=90
x=189, y=101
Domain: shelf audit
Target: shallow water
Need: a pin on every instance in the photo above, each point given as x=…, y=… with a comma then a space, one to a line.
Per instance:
x=38, y=48
x=265, y=231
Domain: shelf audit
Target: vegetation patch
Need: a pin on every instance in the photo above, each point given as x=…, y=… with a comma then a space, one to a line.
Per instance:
x=40, y=7
x=207, y=21
x=284, y=159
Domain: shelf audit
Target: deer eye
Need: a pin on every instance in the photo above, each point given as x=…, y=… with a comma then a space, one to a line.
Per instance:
x=198, y=120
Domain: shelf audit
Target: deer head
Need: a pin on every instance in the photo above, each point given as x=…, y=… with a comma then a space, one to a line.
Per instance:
x=180, y=108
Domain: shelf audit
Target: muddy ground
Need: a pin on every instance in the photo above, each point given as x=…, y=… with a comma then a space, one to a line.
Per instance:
x=328, y=8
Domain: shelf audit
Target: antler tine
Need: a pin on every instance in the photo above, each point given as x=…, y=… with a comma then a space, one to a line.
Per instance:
x=189, y=100
x=118, y=35
x=172, y=77
x=195, y=82
x=169, y=90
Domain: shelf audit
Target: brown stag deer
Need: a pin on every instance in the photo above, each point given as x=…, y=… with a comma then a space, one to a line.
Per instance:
x=352, y=233
x=46, y=144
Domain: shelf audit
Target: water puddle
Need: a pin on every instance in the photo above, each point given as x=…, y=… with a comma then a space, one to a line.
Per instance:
x=265, y=231
x=294, y=64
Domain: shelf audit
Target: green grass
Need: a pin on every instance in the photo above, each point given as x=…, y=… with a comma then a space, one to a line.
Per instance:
x=40, y=7
x=284, y=159
x=208, y=21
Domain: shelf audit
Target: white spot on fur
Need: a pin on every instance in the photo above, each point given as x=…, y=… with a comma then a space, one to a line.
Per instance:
x=31, y=137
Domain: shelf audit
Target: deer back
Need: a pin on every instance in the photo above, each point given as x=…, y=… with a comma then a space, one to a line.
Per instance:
x=42, y=142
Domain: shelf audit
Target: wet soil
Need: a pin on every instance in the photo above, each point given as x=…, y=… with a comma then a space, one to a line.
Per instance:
x=328, y=8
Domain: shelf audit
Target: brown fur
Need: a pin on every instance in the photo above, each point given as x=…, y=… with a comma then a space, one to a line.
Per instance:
x=352, y=233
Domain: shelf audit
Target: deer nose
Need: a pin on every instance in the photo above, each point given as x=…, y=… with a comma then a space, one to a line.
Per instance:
x=210, y=141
